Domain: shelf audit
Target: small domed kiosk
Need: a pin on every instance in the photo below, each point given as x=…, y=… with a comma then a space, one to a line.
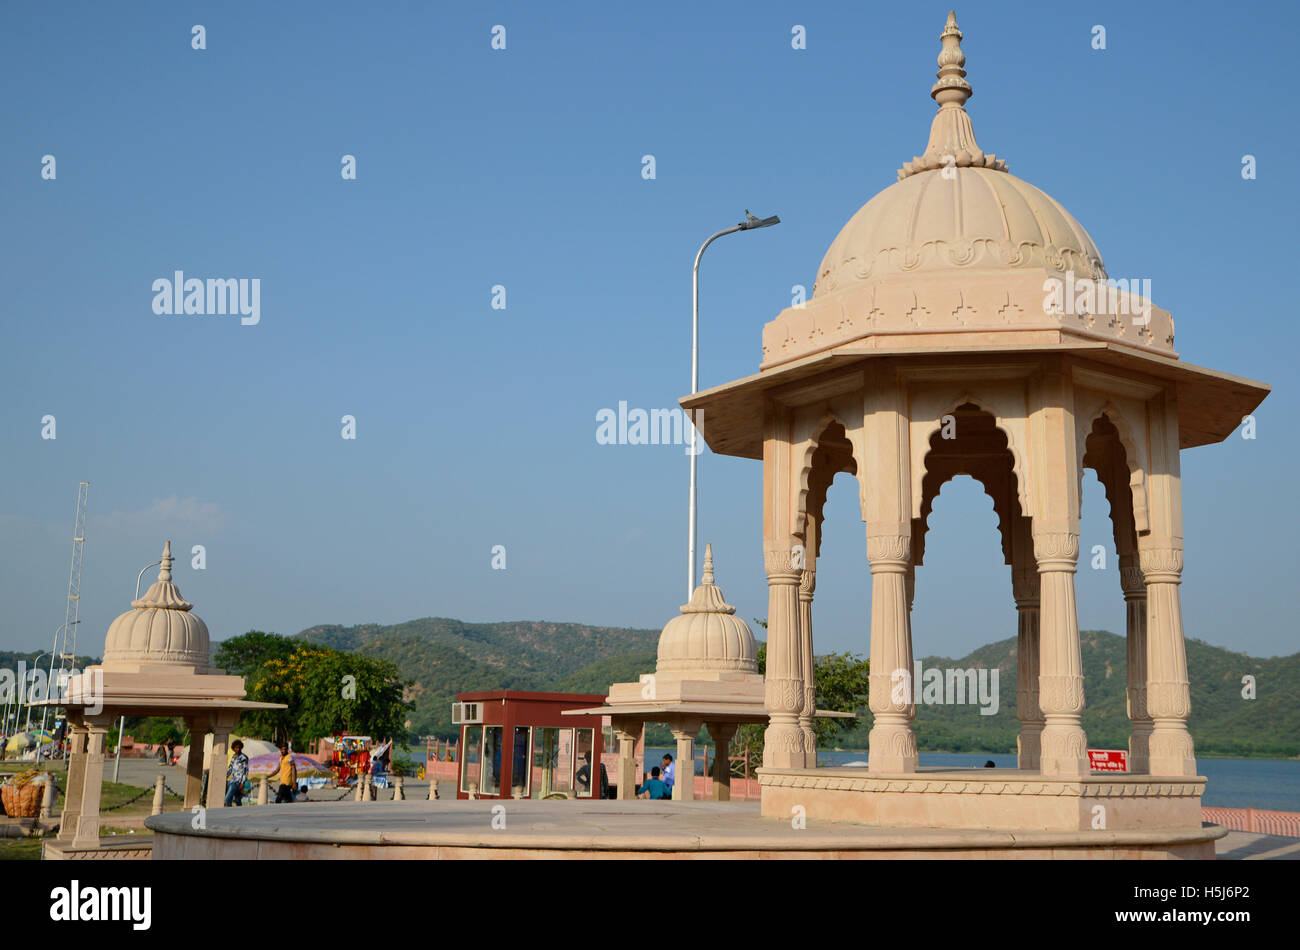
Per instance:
x=706, y=673
x=156, y=663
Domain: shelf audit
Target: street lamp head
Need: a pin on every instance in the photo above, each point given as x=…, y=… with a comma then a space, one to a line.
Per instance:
x=751, y=222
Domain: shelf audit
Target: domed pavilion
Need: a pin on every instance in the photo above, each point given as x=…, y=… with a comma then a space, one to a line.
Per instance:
x=706, y=674
x=963, y=322
x=156, y=663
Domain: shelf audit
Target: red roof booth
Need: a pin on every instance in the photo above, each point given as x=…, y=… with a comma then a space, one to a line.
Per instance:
x=516, y=744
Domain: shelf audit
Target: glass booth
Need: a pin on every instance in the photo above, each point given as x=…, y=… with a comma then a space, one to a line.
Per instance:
x=516, y=744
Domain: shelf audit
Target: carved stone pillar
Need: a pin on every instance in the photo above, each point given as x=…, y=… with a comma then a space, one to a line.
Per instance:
x=1025, y=588
x=87, y=833
x=75, y=779
x=198, y=727
x=217, y=765
x=783, y=746
x=1060, y=678
x=721, y=733
x=685, y=731
x=1135, y=608
x=807, y=586
x=627, y=732
x=891, y=743
x=1168, y=698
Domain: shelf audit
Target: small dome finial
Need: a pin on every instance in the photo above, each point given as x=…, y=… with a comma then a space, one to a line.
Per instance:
x=952, y=139
x=165, y=571
x=952, y=85
x=708, y=565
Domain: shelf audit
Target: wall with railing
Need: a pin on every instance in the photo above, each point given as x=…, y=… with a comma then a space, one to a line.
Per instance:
x=1257, y=820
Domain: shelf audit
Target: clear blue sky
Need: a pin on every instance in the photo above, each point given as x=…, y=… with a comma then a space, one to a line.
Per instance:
x=522, y=167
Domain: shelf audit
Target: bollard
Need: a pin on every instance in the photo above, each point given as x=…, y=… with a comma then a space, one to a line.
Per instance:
x=356, y=796
x=369, y=795
x=473, y=790
x=517, y=793
x=433, y=789
x=399, y=790
x=47, y=797
x=157, y=796
x=262, y=796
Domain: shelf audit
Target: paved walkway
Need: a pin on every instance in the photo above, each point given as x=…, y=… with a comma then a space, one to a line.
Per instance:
x=1238, y=845
x=1248, y=846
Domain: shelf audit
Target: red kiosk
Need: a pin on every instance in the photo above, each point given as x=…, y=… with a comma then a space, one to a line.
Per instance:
x=516, y=744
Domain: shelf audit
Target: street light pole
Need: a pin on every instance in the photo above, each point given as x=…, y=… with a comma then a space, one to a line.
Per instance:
x=749, y=224
x=50, y=684
x=36, y=665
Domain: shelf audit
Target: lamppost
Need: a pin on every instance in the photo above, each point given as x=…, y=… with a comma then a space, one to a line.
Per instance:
x=751, y=223
x=50, y=684
x=27, y=727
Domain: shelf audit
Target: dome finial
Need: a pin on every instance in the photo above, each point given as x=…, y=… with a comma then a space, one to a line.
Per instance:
x=708, y=565
x=952, y=86
x=952, y=138
x=165, y=571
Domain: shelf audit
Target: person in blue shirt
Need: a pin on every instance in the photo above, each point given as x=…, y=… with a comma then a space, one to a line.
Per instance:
x=653, y=787
x=669, y=772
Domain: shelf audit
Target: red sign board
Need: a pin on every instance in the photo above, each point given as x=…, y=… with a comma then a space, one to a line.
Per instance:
x=1108, y=760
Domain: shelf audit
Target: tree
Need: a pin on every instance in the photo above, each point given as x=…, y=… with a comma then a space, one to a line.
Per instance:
x=245, y=654
x=352, y=693
x=327, y=691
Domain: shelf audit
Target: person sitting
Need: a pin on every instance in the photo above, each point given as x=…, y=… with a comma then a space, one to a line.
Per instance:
x=653, y=788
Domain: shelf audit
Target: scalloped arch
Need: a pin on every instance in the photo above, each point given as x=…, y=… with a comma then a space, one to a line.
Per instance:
x=1002, y=421
x=1105, y=408
x=809, y=448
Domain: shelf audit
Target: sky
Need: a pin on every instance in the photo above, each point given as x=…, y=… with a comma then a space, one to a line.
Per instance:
x=523, y=168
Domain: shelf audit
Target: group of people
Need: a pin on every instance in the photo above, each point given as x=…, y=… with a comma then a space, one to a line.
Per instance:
x=659, y=784
x=237, y=777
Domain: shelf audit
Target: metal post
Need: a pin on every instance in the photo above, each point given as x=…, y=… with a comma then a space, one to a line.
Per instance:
x=117, y=763
x=748, y=224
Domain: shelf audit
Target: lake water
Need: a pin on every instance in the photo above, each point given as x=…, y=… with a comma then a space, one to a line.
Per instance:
x=1231, y=783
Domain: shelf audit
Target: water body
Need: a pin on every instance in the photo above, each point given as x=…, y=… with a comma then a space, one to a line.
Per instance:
x=1231, y=783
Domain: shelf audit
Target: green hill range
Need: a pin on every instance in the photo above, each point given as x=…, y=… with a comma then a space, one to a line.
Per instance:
x=445, y=656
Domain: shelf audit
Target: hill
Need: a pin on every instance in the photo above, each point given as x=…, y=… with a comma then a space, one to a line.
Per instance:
x=1222, y=722
x=445, y=657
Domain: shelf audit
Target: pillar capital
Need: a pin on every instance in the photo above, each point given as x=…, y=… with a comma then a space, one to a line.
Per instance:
x=807, y=583
x=1056, y=547
x=1161, y=560
x=783, y=564
x=889, y=547
x=685, y=728
x=1131, y=581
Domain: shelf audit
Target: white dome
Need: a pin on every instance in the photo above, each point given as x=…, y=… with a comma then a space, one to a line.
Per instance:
x=707, y=635
x=973, y=219
x=956, y=208
x=159, y=629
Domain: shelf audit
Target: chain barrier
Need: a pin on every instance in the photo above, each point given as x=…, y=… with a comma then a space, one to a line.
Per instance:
x=147, y=791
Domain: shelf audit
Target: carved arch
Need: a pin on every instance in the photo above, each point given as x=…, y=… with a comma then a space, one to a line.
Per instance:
x=1009, y=417
x=1104, y=407
x=816, y=466
x=989, y=460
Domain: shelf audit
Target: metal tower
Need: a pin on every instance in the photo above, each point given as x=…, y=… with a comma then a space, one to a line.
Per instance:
x=65, y=639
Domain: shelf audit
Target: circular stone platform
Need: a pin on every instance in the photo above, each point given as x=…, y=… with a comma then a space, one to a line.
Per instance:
x=614, y=829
